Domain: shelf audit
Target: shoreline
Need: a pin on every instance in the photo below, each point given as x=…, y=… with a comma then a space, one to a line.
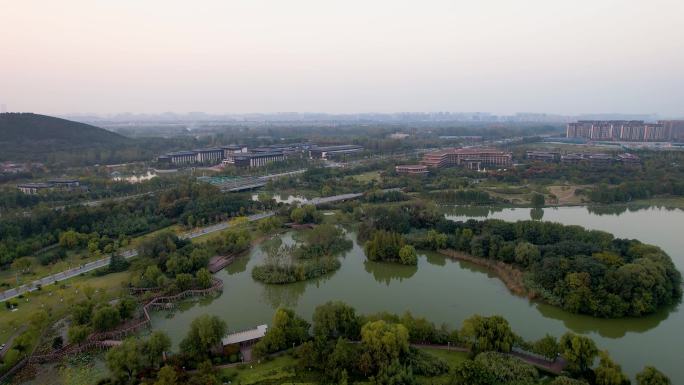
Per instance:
x=511, y=277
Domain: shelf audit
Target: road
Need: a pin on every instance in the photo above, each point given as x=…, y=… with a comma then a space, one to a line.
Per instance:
x=90, y=266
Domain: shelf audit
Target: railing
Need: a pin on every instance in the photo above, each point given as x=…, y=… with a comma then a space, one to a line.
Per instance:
x=104, y=340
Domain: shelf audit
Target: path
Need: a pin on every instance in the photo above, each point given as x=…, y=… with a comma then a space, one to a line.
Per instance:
x=555, y=367
x=54, y=278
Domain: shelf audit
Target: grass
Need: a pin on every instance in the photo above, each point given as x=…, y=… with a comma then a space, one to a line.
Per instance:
x=453, y=358
x=278, y=368
x=57, y=298
x=368, y=176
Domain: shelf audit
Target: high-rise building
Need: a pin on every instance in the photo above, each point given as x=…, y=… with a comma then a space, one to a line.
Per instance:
x=620, y=130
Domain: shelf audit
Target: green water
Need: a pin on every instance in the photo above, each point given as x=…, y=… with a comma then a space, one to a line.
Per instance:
x=447, y=291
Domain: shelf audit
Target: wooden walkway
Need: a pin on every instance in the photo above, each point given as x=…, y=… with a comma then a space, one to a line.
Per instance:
x=108, y=339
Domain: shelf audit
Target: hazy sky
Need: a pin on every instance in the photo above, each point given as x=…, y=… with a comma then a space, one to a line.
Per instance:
x=502, y=56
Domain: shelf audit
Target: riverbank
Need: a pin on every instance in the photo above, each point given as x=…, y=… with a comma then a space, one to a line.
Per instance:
x=512, y=277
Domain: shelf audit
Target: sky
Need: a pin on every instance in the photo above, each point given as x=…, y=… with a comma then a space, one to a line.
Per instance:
x=346, y=56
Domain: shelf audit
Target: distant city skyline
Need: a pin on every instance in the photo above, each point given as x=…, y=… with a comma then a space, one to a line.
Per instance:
x=353, y=56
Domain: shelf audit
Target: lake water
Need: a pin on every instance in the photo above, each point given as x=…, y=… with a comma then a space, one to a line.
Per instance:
x=447, y=291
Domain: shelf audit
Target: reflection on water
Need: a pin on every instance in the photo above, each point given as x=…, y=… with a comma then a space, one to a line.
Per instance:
x=386, y=272
x=536, y=214
x=605, y=327
x=471, y=211
x=444, y=290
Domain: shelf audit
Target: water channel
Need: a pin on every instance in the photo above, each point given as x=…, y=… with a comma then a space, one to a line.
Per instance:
x=447, y=291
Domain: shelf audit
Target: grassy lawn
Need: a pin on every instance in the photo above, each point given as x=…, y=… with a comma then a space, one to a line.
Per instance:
x=57, y=298
x=451, y=357
x=279, y=368
x=368, y=176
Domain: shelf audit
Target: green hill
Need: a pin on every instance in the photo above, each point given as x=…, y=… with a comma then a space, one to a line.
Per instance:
x=26, y=136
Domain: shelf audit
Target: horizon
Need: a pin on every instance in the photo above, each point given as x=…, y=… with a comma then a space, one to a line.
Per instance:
x=265, y=56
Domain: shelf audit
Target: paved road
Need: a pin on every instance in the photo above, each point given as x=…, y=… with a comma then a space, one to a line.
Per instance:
x=73, y=272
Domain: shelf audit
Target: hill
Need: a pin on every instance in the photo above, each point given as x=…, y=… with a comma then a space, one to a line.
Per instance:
x=32, y=128
x=26, y=136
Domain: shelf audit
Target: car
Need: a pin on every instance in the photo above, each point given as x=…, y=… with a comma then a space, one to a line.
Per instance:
x=2, y=347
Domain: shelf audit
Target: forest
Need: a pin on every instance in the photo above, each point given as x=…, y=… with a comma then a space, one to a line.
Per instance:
x=583, y=271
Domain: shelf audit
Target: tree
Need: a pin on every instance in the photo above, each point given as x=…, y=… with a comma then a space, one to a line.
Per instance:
x=126, y=360
x=608, y=372
x=69, y=239
x=204, y=336
x=579, y=351
x=482, y=334
x=166, y=376
x=22, y=265
x=105, y=318
x=408, y=255
x=336, y=319
x=117, y=263
x=526, y=253
x=471, y=372
x=126, y=306
x=547, y=346
x=652, y=376
x=155, y=346
x=204, y=278
x=537, y=200
x=382, y=343
x=287, y=330
x=78, y=333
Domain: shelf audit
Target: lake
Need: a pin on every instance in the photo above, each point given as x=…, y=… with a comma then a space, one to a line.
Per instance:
x=447, y=291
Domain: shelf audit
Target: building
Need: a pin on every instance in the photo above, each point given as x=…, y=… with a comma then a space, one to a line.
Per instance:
x=258, y=159
x=34, y=188
x=411, y=169
x=542, y=156
x=50, y=185
x=572, y=158
x=209, y=155
x=628, y=158
x=675, y=128
x=600, y=158
x=619, y=130
x=179, y=158
x=328, y=152
x=474, y=158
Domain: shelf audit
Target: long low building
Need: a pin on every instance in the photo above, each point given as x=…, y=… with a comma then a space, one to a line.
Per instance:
x=411, y=169
x=52, y=184
x=475, y=158
x=626, y=130
x=258, y=159
x=327, y=152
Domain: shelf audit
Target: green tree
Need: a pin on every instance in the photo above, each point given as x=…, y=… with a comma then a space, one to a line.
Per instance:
x=155, y=346
x=608, y=372
x=287, y=330
x=167, y=376
x=205, y=334
x=336, y=319
x=470, y=372
x=126, y=360
x=204, y=278
x=579, y=351
x=105, y=318
x=537, y=200
x=526, y=253
x=652, y=376
x=78, y=333
x=483, y=334
x=69, y=239
x=382, y=343
x=408, y=255
x=547, y=346
x=22, y=265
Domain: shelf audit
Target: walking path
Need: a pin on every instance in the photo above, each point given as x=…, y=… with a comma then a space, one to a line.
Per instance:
x=54, y=278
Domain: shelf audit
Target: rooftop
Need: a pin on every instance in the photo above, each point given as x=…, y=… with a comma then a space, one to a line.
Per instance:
x=246, y=335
